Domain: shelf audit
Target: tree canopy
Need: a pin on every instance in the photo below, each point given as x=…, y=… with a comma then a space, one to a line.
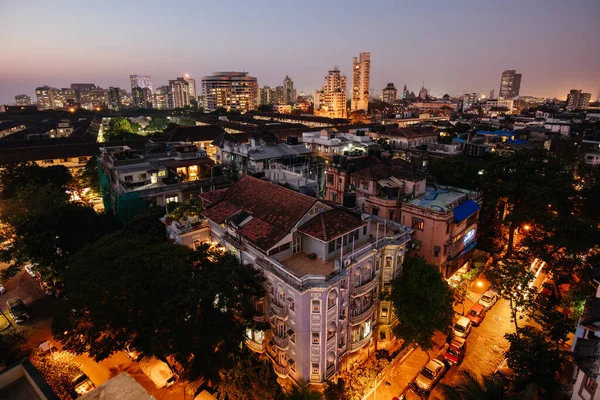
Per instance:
x=249, y=378
x=133, y=288
x=421, y=312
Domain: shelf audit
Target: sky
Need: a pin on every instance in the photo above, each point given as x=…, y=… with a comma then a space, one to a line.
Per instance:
x=455, y=47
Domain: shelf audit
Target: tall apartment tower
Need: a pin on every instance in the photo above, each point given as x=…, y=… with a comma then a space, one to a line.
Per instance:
x=492, y=94
x=510, y=84
x=390, y=93
x=230, y=90
x=179, y=93
x=46, y=97
x=141, y=81
x=577, y=100
x=289, y=93
x=330, y=101
x=114, y=98
x=361, y=75
x=191, y=87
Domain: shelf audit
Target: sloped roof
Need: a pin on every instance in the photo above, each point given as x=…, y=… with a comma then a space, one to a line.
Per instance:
x=275, y=210
x=202, y=133
x=212, y=197
x=384, y=169
x=331, y=224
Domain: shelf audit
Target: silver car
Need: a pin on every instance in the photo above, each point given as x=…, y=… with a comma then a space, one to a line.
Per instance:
x=488, y=299
x=430, y=374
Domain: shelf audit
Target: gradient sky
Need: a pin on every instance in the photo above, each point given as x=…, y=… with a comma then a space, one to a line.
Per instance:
x=454, y=46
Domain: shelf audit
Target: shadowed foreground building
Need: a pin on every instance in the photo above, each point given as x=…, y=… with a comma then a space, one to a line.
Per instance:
x=324, y=267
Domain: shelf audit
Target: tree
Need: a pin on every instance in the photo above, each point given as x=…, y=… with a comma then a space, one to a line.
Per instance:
x=512, y=279
x=11, y=347
x=249, y=378
x=265, y=108
x=421, y=312
x=88, y=177
x=335, y=390
x=119, y=124
x=14, y=177
x=534, y=359
x=557, y=325
x=157, y=124
x=129, y=288
x=471, y=387
x=304, y=392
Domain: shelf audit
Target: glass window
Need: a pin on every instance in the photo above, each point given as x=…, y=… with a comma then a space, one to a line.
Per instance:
x=162, y=174
x=315, y=338
x=141, y=177
x=128, y=178
x=315, y=368
x=173, y=199
x=316, y=306
x=384, y=312
x=418, y=224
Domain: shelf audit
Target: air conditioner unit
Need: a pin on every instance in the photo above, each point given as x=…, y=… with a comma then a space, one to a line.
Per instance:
x=347, y=262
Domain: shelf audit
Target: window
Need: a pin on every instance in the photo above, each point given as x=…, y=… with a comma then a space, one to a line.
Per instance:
x=292, y=365
x=141, y=177
x=364, y=230
x=447, y=229
x=292, y=305
x=48, y=162
x=292, y=335
x=297, y=244
x=415, y=244
x=316, y=338
x=418, y=224
x=162, y=174
x=173, y=199
x=334, y=197
x=375, y=211
x=590, y=384
x=388, y=262
x=384, y=312
x=366, y=186
x=65, y=160
x=315, y=369
x=382, y=335
x=316, y=306
x=391, y=215
x=329, y=179
x=128, y=178
x=436, y=251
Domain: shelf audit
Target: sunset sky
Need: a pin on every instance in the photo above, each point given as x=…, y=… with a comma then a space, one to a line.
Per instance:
x=454, y=46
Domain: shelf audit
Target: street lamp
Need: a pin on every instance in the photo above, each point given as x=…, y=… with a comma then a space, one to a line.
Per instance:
x=527, y=227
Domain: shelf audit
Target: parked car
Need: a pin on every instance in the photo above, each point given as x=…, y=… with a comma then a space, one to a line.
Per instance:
x=462, y=327
x=476, y=314
x=29, y=267
x=17, y=310
x=430, y=374
x=488, y=299
x=158, y=371
x=82, y=384
x=456, y=351
x=2, y=290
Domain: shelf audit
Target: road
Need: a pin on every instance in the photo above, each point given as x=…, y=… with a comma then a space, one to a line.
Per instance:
x=39, y=329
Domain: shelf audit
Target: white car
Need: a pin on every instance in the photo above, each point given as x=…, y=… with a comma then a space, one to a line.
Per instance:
x=462, y=327
x=488, y=299
x=29, y=269
x=2, y=290
x=430, y=374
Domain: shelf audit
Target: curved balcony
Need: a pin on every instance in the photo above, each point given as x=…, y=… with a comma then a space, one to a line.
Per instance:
x=280, y=311
x=364, y=288
x=361, y=343
x=281, y=370
x=362, y=316
x=259, y=318
x=281, y=342
x=254, y=346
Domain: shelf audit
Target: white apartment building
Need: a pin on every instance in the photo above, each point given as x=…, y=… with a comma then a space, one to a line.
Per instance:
x=234, y=91
x=361, y=76
x=329, y=142
x=324, y=267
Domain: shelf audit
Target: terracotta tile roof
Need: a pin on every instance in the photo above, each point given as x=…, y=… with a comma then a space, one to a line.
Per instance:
x=221, y=211
x=212, y=197
x=261, y=233
x=275, y=210
x=331, y=224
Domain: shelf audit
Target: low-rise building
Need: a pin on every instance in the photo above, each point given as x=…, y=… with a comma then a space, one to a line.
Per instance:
x=324, y=268
x=407, y=138
x=329, y=142
x=22, y=381
x=159, y=174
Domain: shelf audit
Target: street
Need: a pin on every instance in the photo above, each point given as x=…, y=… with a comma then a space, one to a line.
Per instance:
x=39, y=329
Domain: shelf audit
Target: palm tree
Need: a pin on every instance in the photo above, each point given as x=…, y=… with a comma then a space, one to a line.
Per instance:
x=304, y=392
x=470, y=387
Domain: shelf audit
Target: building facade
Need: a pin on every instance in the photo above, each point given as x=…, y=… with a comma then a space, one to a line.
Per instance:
x=234, y=91
x=22, y=100
x=114, y=98
x=330, y=101
x=141, y=81
x=191, y=87
x=324, y=269
x=161, y=98
x=576, y=100
x=289, y=93
x=45, y=96
x=179, y=93
x=390, y=93
x=361, y=76
x=510, y=84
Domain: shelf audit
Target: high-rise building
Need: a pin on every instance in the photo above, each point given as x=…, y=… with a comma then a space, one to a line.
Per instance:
x=88, y=95
x=142, y=97
x=179, y=93
x=404, y=92
x=468, y=100
x=492, y=93
x=361, y=75
x=510, y=84
x=577, y=100
x=161, y=98
x=330, y=101
x=191, y=87
x=289, y=93
x=45, y=97
x=390, y=93
x=141, y=81
x=114, y=98
x=22, y=100
x=230, y=90
x=69, y=96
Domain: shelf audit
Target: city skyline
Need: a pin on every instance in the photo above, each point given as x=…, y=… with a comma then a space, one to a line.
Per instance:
x=454, y=62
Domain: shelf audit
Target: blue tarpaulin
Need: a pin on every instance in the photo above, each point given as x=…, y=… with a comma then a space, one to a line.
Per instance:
x=465, y=210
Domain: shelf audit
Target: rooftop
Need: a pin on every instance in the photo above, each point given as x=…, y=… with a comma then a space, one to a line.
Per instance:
x=377, y=169
x=439, y=199
x=411, y=133
x=331, y=224
x=121, y=387
x=195, y=133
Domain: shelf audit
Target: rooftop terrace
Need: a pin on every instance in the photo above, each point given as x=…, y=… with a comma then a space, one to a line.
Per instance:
x=439, y=199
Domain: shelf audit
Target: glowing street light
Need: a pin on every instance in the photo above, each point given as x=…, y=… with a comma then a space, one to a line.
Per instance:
x=527, y=227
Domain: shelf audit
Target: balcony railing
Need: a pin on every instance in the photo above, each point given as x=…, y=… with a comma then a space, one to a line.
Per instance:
x=363, y=315
x=365, y=287
x=281, y=370
x=254, y=346
x=361, y=343
x=281, y=342
x=330, y=370
x=280, y=311
x=259, y=318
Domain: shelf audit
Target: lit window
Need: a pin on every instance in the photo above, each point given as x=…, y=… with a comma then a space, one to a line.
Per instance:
x=384, y=312
x=418, y=224
x=141, y=177
x=315, y=368
x=173, y=199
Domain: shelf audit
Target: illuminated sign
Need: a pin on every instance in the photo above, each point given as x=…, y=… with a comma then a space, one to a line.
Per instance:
x=468, y=236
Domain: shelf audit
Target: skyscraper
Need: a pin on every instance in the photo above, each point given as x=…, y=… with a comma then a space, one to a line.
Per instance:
x=45, y=97
x=289, y=93
x=114, y=98
x=22, y=100
x=577, y=100
x=361, y=70
x=404, y=92
x=230, y=90
x=390, y=93
x=141, y=81
x=191, y=87
x=492, y=94
x=330, y=101
x=510, y=84
x=179, y=93
x=161, y=98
